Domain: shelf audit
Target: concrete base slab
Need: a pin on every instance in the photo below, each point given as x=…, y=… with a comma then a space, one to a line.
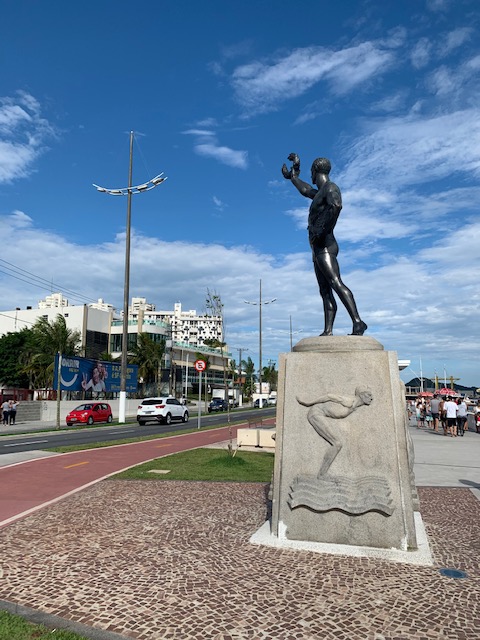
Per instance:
x=421, y=556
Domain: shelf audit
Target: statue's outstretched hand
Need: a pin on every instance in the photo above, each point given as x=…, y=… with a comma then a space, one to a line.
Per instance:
x=295, y=170
x=296, y=161
x=286, y=173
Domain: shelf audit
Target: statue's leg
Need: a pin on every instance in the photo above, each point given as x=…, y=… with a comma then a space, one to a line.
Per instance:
x=329, y=303
x=321, y=426
x=331, y=272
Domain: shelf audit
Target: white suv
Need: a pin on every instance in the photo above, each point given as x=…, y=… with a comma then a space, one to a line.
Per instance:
x=161, y=410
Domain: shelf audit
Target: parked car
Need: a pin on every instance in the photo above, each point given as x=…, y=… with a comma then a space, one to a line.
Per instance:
x=260, y=403
x=90, y=412
x=217, y=404
x=272, y=400
x=162, y=410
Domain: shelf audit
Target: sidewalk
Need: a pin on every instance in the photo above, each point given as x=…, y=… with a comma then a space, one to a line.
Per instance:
x=158, y=560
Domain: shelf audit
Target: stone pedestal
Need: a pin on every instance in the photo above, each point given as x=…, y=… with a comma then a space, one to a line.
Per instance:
x=343, y=462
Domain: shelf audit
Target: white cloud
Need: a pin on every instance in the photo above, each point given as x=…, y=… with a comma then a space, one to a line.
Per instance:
x=438, y=5
x=414, y=149
x=23, y=134
x=421, y=53
x=207, y=146
x=225, y=155
x=404, y=300
x=456, y=38
x=261, y=87
x=218, y=203
x=443, y=81
x=390, y=103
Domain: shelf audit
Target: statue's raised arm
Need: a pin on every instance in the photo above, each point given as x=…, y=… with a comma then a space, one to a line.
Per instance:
x=292, y=174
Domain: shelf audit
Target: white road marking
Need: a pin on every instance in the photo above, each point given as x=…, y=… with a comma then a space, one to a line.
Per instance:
x=20, y=444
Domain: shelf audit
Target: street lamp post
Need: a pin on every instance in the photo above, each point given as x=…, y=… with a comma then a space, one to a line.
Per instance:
x=128, y=191
x=260, y=303
x=291, y=334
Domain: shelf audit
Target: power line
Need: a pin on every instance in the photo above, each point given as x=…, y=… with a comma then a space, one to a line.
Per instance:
x=16, y=319
x=41, y=283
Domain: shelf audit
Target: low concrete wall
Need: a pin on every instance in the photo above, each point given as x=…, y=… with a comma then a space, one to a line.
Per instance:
x=49, y=408
x=256, y=438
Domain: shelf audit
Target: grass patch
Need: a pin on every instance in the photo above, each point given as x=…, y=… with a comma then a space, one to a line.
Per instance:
x=13, y=627
x=212, y=465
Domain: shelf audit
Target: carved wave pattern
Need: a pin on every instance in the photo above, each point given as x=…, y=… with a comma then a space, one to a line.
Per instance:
x=353, y=496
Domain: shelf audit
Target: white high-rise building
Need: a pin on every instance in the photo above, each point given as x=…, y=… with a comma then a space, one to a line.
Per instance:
x=186, y=326
x=102, y=305
x=54, y=301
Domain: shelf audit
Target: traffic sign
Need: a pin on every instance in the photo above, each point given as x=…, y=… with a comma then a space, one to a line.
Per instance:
x=200, y=365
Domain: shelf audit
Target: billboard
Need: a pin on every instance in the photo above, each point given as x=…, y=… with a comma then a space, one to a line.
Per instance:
x=97, y=376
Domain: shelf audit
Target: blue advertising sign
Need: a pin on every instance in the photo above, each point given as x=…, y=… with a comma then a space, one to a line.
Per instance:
x=98, y=376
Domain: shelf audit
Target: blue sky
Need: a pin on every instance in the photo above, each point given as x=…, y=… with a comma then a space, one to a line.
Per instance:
x=219, y=94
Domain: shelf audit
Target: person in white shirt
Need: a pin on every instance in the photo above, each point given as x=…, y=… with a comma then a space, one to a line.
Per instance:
x=6, y=412
x=461, y=416
x=451, y=409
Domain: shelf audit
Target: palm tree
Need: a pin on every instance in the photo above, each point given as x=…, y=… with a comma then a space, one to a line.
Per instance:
x=249, y=367
x=48, y=340
x=148, y=355
x=270, y=374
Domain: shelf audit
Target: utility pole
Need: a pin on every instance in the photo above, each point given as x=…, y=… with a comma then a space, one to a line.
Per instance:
x=260, y=303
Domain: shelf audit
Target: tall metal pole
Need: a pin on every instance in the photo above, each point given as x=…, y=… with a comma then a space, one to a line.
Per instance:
x=128, y=191
x=59, y=388
x=260, y=341
x=260, y=303
x=126, y=293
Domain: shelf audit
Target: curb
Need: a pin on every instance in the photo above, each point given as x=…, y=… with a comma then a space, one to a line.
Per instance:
x=56, y=622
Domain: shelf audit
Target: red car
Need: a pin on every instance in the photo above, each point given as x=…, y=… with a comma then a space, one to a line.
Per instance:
x=90, y=412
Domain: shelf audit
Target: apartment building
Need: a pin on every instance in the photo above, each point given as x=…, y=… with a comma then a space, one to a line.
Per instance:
x=93, y=323
x=186, y=327
x=101, y=330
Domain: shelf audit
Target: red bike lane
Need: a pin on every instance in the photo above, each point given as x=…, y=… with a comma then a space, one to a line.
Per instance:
x=28, y=486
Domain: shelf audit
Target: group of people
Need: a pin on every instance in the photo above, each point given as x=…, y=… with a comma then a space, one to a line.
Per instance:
x=447, y=411
x=9, y=411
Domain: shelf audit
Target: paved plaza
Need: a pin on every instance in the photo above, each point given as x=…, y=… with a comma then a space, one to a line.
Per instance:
x=156, y=560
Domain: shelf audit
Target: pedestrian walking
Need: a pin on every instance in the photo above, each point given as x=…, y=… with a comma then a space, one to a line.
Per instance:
x=461, y=416
x=6, y=412
x=420, y=414
x=451, y=411
x=443, y=414
x=12, y=412
x=435, y=409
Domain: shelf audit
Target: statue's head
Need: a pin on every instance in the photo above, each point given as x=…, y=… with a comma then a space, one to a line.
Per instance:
x=320, y=165
x=364, y=394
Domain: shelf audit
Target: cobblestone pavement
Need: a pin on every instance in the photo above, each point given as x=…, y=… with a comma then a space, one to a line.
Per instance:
x=156, y=560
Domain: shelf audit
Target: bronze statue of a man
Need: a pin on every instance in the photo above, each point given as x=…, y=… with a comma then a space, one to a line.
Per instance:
x=324, y=211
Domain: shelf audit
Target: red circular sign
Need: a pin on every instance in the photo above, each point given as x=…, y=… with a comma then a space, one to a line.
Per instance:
x=200, y=365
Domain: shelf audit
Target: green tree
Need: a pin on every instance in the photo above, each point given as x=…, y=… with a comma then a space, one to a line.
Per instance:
x=214, y=306
x=12, y=363
x=148, y=355
x=48, y=339
x=249, y=367
x=107, y=357
x=270, y=374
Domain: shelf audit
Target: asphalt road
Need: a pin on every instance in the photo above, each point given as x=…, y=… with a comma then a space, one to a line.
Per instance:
x=34, y=440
